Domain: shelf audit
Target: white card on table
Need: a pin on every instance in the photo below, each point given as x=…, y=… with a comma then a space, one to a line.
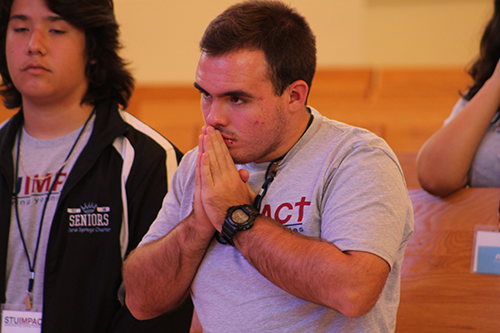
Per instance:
x=486, y=255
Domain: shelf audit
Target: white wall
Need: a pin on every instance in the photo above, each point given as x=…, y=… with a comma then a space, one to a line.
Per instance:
x=161, y=36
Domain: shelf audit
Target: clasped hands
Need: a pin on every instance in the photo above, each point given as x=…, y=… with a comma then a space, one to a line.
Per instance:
x=219, y=184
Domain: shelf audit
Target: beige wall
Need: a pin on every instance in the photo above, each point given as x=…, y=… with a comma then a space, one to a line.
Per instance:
x=161, y=36
x=425, y=32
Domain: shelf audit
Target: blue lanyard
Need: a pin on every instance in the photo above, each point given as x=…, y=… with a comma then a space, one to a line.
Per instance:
x=16, y=198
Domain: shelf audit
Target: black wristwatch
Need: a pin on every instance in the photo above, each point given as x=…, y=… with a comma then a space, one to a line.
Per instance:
x=238, y=218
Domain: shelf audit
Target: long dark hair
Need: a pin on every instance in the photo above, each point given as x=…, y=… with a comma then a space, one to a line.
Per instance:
x=105, y=69
x=279, y=31
x=489, y=54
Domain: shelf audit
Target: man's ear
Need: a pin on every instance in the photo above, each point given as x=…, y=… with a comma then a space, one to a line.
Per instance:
x=298, y=92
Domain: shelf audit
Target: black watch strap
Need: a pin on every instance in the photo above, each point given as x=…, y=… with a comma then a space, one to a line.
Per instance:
x=238, y=218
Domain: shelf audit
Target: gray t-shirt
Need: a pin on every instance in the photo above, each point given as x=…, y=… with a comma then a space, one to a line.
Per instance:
x=338, y=182
x=39, y=158
x=485, y=167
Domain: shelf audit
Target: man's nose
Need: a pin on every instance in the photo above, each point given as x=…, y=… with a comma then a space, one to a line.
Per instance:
x=36, y=43
x=216, y=115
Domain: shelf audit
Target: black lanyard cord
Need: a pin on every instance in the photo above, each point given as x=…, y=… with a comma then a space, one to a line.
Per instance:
x=16, y=198
x=271, y=172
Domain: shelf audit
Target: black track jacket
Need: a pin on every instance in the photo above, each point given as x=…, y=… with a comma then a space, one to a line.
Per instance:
x=83, y=269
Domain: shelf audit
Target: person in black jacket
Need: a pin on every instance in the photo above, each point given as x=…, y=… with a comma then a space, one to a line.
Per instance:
x=81, y=180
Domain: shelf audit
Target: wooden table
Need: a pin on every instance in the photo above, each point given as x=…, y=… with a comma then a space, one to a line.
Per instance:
x=438, y=291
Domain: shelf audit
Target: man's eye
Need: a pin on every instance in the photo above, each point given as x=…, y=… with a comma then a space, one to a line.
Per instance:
x=237, y=100
x=57, y=31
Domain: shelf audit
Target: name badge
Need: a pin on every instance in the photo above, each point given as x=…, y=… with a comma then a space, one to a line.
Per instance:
x=486, y=254
x=14, y=321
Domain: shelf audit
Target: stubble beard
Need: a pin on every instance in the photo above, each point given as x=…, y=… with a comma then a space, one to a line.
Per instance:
x=270, y=147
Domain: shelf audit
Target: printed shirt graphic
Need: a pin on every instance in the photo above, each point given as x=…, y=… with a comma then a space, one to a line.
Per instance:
x=89, y=218
x=38, y=166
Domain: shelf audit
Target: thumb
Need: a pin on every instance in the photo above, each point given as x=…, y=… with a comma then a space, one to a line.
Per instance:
x=244, y=175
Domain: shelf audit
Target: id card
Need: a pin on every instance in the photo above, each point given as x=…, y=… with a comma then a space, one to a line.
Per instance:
x=17, y=321
x=486, y=254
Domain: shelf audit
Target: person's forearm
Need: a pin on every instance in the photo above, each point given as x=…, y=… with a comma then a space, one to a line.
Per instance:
x=158, y=275
x=312, y=269
x=444, y=160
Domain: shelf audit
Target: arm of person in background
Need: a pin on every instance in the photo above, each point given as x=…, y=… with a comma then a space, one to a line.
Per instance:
x=444, y=160
x=309, y=268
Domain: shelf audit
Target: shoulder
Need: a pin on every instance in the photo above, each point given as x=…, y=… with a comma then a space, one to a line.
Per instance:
x=344, y=139
x=146, y=134
x=187, y=166
x=3, y=123
x=461, y=103
x=13, y=121
x=345, y=147
x=8, y=131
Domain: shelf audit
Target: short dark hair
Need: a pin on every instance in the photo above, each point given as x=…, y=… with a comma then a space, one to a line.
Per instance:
x=489, y=54
x=108, y=78
x=284, y=36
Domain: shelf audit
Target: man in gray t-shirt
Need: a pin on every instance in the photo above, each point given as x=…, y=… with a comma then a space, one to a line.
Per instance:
x=281, y=220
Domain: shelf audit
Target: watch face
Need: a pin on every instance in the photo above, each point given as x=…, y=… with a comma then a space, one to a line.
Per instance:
x=239, y=216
